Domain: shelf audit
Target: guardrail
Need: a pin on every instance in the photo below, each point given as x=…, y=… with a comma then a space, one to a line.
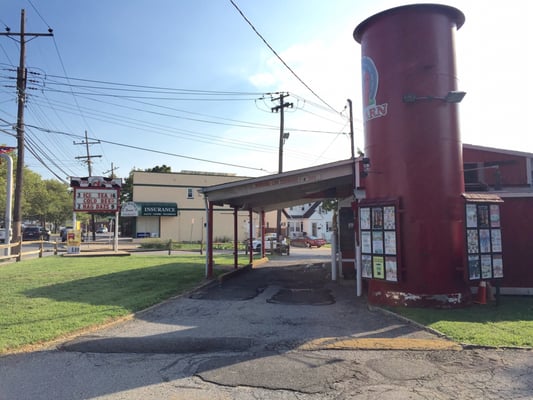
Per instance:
x=18, y=245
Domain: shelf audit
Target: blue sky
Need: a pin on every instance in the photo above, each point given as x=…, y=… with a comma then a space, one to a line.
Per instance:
x=117, y=69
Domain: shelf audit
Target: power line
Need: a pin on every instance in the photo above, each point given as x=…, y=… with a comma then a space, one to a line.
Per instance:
x=279, y=57
x=160, y=88
x=151, y=150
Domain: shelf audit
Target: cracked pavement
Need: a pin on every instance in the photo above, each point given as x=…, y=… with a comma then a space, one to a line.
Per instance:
x=270, y=333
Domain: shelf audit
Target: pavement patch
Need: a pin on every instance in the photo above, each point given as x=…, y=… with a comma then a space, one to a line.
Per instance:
x=301, y=373
x=158, y=344
x=379, y=344
x=303, y=297
x=400, y=369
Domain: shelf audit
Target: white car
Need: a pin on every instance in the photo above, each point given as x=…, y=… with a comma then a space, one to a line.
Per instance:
x=271, y=238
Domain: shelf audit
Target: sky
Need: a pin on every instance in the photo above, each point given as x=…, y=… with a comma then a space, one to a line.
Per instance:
x=192, y=84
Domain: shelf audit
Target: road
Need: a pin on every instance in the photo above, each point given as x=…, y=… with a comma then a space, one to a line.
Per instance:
x=280, y=331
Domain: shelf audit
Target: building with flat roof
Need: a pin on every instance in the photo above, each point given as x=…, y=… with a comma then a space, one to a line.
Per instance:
x=169, y=206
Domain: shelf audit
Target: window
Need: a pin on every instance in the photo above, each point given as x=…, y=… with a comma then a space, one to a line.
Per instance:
x=471, y=173
x=190, y=193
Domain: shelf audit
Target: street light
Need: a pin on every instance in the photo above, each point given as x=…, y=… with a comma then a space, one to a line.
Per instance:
x=451, y=97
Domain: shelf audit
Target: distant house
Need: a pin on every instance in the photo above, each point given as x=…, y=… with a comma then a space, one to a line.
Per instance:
x=308, y=219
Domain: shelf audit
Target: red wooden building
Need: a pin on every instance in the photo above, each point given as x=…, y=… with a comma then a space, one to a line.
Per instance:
x=508, y=174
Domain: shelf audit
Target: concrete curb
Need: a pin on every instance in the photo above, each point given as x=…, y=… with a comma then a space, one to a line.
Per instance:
x=350, y=343
x=410, y=321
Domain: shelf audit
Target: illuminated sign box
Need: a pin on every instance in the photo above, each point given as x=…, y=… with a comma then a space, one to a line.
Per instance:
x=96, y=200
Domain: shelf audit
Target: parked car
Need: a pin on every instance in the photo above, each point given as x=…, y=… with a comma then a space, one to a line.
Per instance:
x=63, y=233
x=102, y=229
x=46, y=233
x=270, y=238
x=3, y=235
x=35, y=233
x=308, y=241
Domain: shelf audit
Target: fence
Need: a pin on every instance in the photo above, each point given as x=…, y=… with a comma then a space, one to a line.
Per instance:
x=19, y=245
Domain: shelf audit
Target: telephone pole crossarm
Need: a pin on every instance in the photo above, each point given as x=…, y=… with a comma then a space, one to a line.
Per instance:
x=21, y=102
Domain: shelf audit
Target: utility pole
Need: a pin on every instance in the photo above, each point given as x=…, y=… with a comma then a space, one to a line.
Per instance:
x=87, y=157
x=21, y=101
x=112, y=171
x=88, y=160
x=352, y=146
x=282, y=136
x=355, y=180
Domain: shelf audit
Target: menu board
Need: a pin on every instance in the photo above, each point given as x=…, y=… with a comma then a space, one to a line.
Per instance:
x=483, y=241
x=378, y=234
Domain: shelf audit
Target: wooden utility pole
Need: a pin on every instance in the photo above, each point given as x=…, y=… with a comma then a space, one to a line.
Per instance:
x=282, y=136
x=88, y=159
x=112, y=171
x=21, y=101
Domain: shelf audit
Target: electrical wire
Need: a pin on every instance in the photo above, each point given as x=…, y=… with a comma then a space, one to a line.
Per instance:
x=279, y=57
x=150, y=150
x=156, y=88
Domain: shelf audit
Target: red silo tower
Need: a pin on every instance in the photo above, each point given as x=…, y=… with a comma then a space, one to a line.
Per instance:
x=413, y=145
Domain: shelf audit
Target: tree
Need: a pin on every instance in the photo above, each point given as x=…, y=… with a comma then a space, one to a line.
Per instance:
x=163, y=169
x=43, y=201
x=126, y=192
x=59, y=203
x=34, y=202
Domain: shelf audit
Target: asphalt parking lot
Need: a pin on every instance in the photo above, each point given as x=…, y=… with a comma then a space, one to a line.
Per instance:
x=283, y=330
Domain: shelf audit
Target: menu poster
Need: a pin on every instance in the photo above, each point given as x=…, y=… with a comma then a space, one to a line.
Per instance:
x=496, y=240
x=377, y=242
x=486, y=266
x=389, y=221
x=366, y=270
x=471, y=216
x=484, y=241
x=497, y=266
x=474, y=267
x=390, y=242
x=379, y=267
x=379, y=247
x=366, y=242
x=391, y=269
x=472, y=241
x=365, y=218
x=377, y=218
x=483, y=216
x=494, y=215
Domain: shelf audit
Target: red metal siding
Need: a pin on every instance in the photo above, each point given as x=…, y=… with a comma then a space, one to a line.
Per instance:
x=517, y=241
x=513, y=169
x=414, y=148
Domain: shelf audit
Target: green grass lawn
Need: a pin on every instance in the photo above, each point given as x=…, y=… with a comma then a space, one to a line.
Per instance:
x=43, y=299
x=508, y=324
